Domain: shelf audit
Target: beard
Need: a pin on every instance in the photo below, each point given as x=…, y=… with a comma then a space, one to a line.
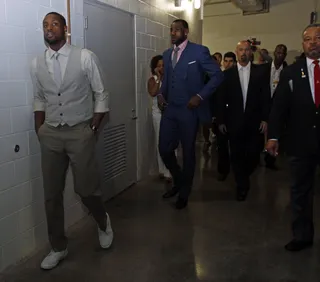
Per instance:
x=244, y=58
x=54, y=40
x=314, y=53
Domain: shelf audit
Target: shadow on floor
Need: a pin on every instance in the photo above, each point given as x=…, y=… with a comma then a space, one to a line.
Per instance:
x=215, y=239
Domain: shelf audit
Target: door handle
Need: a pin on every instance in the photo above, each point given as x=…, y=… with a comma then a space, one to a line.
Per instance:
x=134, y=117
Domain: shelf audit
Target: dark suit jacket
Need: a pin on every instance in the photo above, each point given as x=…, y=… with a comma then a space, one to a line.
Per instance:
x=296, y=109
x=196, y=62
x=230, y=101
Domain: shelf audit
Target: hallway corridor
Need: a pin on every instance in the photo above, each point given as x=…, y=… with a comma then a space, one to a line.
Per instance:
x=216, y=239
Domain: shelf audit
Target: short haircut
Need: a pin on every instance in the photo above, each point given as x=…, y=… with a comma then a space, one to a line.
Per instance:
x=265, y=51
x=310, y=26
x=61, y=18
x=217, y=53
x=230, y=55
x=183, y=22
x=154, y=63
x=282, y=46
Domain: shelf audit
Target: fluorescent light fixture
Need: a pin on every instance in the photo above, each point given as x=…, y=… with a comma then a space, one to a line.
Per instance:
x=197, y=4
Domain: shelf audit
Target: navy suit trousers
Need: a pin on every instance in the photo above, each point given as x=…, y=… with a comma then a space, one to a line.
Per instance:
x=179, y=125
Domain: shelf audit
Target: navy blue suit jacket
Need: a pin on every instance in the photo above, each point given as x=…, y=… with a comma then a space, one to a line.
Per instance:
x=196, y=62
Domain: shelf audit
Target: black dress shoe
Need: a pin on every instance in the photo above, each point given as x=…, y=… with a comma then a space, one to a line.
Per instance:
x=169, y=194
x=242, y=195
x=181, y=203
x=222, y=177
x=296, y=246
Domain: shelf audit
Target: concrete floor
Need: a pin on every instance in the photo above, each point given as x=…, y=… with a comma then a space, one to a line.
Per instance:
x=215, y=239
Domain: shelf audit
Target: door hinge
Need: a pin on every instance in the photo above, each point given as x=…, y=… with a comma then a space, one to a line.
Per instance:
x=86, y=23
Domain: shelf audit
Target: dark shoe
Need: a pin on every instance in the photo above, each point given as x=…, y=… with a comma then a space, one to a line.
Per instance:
x=242, y=195
x=181, y=204
x=174, y=191
x=296, y=246
x=206, y=147
x=222, y=177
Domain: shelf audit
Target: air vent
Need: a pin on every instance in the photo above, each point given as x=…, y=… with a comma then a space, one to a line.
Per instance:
x=251, y=7
x=114, y=152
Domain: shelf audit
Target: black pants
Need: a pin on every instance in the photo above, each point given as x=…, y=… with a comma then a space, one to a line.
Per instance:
x=223, y=153
x=245, y=151
x=303, y=171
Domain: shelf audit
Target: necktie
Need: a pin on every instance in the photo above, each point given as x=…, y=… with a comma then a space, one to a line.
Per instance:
x=175, y=57
x=316, y=83
x=57, y=70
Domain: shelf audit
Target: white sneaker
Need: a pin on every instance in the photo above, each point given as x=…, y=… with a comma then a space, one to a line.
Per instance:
x=106, y=237
x=53, y=259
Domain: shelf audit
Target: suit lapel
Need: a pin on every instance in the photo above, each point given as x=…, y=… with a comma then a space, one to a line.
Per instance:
x=252, y=73
x=238, y=86
x=305, y=81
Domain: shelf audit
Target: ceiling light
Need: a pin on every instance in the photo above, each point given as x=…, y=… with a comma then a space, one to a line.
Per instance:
x=197, y=4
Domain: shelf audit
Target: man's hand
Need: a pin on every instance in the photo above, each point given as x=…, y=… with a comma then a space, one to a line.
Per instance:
x=162, y=103
x=263, y=127
x=194, y=102
x=223, y=128
x=96, y=121
x=39, y=118
x=272, y=147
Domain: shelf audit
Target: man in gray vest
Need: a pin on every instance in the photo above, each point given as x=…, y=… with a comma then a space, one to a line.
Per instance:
x=70, y=101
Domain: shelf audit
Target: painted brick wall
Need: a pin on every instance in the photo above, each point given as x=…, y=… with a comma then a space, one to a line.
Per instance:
x=22, y=219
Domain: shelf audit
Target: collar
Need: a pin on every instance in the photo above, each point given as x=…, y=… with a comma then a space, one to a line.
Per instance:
x=274, y=67
x=247, y=67
x=64, y=51
x=310, y=62
x=182, y=46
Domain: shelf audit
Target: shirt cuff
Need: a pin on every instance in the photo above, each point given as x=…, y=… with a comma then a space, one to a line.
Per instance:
x=200, y=97
x=39, y=106
x=101, y=107
x=272, y=139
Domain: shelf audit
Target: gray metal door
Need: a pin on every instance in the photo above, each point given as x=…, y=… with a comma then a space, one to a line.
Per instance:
x=109, y=33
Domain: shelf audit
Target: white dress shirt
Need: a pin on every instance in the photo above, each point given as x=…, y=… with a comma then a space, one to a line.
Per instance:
x=90, y=66
x=244, y=75
x=274, y=77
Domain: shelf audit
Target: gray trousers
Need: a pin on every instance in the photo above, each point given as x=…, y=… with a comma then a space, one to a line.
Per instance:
x=61, y=146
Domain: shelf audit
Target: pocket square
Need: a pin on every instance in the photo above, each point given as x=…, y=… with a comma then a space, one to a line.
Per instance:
x=291, y=84
x=190, y=63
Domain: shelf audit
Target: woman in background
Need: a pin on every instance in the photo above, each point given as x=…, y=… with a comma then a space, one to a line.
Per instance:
x=154, y=84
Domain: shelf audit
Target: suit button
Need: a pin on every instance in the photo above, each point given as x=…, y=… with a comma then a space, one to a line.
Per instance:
x=60, y=104
x=314, y=126
x=59, y=94
x=61, y=114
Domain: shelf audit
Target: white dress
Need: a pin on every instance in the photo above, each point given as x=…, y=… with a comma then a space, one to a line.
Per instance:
x=156, y=117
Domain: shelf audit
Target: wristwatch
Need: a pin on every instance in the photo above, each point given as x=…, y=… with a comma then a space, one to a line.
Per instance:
x=94, y=128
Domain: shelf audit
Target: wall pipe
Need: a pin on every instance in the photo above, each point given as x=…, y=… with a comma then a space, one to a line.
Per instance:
x=69, y=21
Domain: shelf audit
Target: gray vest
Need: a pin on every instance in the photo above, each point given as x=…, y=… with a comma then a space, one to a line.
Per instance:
x=73, y=102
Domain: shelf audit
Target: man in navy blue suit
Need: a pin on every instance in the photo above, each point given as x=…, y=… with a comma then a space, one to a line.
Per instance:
x=185, y=97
